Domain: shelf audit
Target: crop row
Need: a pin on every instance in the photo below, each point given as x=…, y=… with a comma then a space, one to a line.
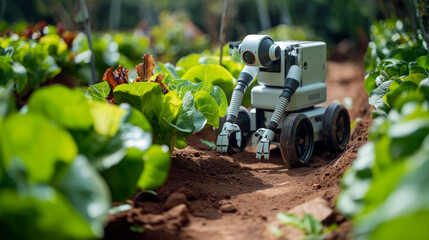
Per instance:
x=385, y=190
x=66, y=157
x=71, y=151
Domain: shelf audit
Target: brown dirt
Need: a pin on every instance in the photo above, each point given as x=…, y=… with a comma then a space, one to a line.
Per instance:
x=212, y=196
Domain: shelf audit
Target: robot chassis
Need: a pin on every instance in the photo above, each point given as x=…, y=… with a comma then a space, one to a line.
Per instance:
x=291, y=76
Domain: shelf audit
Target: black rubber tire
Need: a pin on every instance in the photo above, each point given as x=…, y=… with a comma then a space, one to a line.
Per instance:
x=243, y=121
x=296, y=140
x=336, y=128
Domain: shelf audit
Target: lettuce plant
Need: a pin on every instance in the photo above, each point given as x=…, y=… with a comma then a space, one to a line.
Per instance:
x=385, y=190
x=175, y=111
x=66, y=157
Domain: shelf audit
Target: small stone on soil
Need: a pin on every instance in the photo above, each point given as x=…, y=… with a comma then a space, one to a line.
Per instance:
x=175, y=199
x=228, y=208
x=155, y=219
x=188, y=193
x=177, y=217
x=317, y=207
x=328, y=195
x=180, y=211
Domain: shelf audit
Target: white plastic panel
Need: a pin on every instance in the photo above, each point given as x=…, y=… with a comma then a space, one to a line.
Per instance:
x=307, y=96
x=313, y=60
x=315, y=115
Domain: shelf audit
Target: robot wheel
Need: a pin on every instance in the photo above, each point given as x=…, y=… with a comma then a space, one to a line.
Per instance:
x=296, y=140
x=336, y=128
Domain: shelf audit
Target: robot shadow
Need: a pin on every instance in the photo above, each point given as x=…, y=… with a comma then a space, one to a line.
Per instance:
x=276, y=165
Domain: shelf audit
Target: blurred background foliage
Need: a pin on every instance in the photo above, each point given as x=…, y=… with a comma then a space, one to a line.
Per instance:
x=186, y=22
x=123, y=30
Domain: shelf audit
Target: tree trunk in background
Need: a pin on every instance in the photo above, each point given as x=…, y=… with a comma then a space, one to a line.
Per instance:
x=285, y=17
x=211, y=18
x=146, y=12
x=421, y=13
x=115, y=15
x=222, y=30
x=264, y=16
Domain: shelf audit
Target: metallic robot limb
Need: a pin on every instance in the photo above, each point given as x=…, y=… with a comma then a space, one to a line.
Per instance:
x=246, y=77
x=266, y=135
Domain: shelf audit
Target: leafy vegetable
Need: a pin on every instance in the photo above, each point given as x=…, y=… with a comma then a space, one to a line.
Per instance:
x=383, y=189
x=54, y=145
x=7, y=100
x=51, y=101
x=187, y=62
x=210, y=144
x=68, y=154
x=391, y=76
x=214, y=74
x=47, y=207
x=156, y=164
x=27, y=64
x=145, y=69
x=173, y=114
x=170, y=116
x=205, y=68
x=128, y=170
x=87, y=192
x=99, y=91
x=312, y=228
x=183, y=86
x=119, y=76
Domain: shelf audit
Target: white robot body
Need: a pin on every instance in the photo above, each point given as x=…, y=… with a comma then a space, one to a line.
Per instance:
x=311, y=57
x=265, y=97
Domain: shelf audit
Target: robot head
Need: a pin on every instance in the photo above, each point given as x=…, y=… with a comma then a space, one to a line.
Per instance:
x=259, y=50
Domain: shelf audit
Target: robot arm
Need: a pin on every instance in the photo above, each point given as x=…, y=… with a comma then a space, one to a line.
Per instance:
x=265, y=136
x=246, y=77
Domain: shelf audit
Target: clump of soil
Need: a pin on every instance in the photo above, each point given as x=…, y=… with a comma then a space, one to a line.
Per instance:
x=213, y=196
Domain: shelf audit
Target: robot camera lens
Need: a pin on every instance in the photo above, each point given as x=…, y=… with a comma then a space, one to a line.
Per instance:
x=249, y=57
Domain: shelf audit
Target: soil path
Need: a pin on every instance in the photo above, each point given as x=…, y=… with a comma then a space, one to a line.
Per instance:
x=238, y=196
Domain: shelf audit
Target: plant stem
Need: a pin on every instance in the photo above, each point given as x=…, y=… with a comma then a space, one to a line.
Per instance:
x=264, y=16
x=88, y=35
x=115, y=14
x=2, y=7
x=222, y=32
x=422, y=27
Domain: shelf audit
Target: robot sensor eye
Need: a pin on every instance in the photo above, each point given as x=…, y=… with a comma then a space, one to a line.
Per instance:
x=249, y=57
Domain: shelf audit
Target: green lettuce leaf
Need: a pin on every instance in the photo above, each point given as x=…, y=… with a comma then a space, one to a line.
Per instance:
x=156, y=167
x=122, y=178
x=36, y=142
x=98, y=91
x=87, y=192
x=214, y=74
x=208, y=107
x=48, y=208
x=67, y=107
x=187, y=62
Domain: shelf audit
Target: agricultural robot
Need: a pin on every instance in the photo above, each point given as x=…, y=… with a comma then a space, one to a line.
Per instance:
x=291, y=76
